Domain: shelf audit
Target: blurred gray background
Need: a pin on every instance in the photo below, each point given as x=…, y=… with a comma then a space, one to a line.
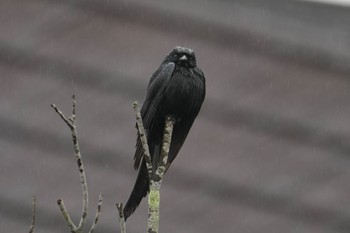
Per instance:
x=269, y=152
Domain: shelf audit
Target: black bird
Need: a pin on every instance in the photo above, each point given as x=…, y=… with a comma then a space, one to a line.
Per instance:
x=176, y=89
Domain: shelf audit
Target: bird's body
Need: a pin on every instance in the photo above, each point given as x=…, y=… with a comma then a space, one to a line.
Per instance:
x=176, y=89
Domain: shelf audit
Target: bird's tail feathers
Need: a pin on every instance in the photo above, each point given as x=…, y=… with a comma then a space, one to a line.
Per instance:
x=139, y=191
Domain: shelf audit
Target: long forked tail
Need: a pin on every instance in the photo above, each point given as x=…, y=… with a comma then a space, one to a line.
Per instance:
x=139, y=191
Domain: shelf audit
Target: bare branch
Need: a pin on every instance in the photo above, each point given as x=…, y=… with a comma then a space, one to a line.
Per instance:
x=98, y=212
x=143, y=138
x=31, y=229
x=73, y=108
x=66, y=216
x=121, y=217
x=167, y=136
x=71, y=123
x=62, y=116
x=156, y=179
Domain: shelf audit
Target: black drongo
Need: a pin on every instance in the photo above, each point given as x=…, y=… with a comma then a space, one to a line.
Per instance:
x=176, y=89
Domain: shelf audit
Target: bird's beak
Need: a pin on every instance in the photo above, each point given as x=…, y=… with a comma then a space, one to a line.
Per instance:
x=183, y=58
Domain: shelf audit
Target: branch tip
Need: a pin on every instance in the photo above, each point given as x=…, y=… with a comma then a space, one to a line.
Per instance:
x=31, y=229
x=135, y=105
x=98, y=212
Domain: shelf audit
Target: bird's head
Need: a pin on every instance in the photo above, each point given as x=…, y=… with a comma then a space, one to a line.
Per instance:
x=182, y=56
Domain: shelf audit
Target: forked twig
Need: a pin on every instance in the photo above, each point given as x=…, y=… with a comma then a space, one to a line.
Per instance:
x=155, y=179
x=121, y=217
x=71, y=123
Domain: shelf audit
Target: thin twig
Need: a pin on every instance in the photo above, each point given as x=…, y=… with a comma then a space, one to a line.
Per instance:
x=66, y=216
x=59, y=112
x=98, y=212
x=167, y=137
x=121, y=217
x=73, y=109
x=31, y=229
x=143, y=138
x=71, y=123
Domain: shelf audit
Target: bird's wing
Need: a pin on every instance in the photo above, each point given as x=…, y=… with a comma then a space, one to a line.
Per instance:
x=156, y=87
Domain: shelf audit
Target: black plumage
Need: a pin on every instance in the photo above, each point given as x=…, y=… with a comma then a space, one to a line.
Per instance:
x=177, y=89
